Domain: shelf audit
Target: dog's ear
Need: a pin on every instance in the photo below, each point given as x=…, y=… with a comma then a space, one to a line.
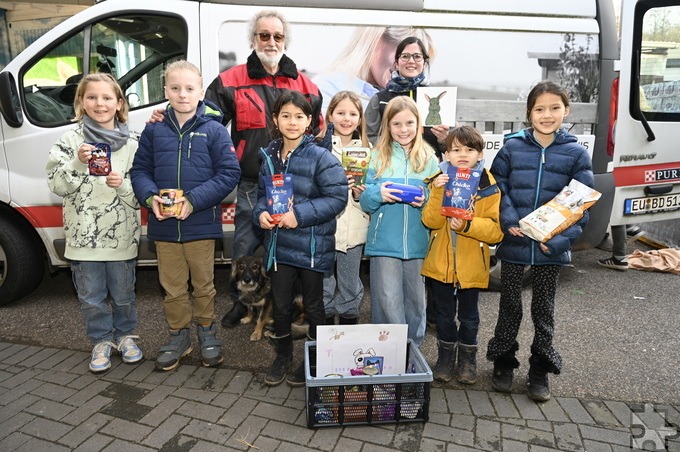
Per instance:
x=234, y=266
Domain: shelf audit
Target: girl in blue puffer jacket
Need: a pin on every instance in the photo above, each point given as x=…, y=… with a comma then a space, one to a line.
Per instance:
x=532, y=167
x=300, y=243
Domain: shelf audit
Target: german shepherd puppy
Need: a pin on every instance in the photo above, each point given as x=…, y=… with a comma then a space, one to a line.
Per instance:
x=255, y=293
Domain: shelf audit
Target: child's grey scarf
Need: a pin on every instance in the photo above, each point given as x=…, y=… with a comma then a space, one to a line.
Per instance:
x=94, y=133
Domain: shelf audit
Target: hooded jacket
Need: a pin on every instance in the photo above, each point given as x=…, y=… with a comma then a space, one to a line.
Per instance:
x=198, y=158
x=396, y=229
x=246, y=95
x=320, y=194
x=352, y=223
x=530, y=176
x=100, y=223
x=464, y=263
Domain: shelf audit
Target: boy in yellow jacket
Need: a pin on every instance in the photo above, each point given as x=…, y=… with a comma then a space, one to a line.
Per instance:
x=457, y=263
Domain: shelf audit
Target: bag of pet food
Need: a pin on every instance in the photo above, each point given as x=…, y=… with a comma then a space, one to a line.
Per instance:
x=559, y=213
x=100, y=163
x=460, y=192
x=355, y=162
x=279, y=190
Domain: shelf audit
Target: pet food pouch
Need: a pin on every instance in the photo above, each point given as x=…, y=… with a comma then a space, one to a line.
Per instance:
x=100, y=163
x=460, y=192
x=355, y=162
x=559, y=213
x=170, y=208
x=279, y=190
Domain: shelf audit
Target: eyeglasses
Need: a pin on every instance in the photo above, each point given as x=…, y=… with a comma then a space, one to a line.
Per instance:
x=417, y=57
x=265, y=37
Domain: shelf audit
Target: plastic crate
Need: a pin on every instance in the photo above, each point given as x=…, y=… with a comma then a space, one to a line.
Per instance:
x=368, y=399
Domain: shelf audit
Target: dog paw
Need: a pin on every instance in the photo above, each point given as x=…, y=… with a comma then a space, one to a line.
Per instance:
x=384, y=335
x=256, y=336
x=246, y=320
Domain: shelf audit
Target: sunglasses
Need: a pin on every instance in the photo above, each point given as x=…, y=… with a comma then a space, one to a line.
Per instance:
x=265, y=37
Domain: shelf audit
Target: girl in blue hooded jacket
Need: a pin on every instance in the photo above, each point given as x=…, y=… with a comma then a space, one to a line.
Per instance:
x=531, y=168
x=300, y=244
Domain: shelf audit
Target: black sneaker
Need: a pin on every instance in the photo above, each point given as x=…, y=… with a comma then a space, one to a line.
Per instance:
x=614, y=263
x=538, y=386
x=501, y=380
x=234, y=316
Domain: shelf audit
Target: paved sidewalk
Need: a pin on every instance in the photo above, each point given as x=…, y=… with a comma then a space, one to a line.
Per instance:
x=50, y=401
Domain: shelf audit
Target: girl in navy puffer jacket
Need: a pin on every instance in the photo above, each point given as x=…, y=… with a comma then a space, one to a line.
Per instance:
x=530, y=169
x=299, y=244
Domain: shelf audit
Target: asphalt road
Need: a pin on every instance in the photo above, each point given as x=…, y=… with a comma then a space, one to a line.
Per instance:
x=617, y=331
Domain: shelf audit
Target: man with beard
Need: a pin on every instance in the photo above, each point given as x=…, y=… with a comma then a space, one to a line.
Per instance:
x=246, y=94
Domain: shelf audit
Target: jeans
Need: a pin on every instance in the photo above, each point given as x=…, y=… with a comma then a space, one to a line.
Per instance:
x=247, y=235
x=93, y=282
x=283, y=283
x=445, y=299
x=392, y=302
x=177, y=262
x=350, y=290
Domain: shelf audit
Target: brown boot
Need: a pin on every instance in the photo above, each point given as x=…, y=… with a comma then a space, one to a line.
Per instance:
x=466, y=372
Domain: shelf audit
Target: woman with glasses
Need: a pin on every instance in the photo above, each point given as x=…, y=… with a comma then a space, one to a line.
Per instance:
x=410, y=60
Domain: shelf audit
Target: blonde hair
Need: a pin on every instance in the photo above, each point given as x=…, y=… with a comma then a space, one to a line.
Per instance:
x=121, y=115
x=418, y=155
x=352, y=97
x=180, y=65
x=357, y=57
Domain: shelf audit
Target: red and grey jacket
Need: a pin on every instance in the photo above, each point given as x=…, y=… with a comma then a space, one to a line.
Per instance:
x=246, y=94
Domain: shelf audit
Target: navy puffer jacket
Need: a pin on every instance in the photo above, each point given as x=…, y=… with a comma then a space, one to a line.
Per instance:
x=530, y=176
x=198, y=158
x=320, y=194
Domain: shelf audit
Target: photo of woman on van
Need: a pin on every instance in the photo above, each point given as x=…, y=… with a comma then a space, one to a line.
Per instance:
x=411, y=69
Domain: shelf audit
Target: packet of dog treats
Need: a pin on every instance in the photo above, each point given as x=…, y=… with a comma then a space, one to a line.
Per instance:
x=355, y=162
x=279, y=190
x=460, y=192
x=565, y=209
x=100, y=163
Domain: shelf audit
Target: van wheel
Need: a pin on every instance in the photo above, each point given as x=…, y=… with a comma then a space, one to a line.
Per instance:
x=21, y=262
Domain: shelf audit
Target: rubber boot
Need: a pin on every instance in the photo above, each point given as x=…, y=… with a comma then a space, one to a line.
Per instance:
x=446, y=361
x=504, y=370
x=284, y=359
x=538, y=385
x=234, y=316
x=348, y=320
x=298, y=377
x=466, y=372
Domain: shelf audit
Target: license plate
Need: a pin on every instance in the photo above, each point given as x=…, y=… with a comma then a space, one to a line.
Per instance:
x=648, y=204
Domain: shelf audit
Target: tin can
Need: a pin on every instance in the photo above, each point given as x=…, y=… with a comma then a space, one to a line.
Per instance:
x=170, y=208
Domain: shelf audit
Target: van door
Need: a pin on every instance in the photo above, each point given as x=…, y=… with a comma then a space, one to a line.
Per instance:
x=131, y=40
x=646, y=158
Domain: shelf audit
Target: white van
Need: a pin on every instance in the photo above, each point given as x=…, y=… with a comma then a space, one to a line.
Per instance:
x=492, y=52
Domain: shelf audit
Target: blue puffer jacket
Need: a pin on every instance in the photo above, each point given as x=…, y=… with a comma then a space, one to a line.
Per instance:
x=396, y=229
x=199, y=158
x=320, y=194
x=530, y=176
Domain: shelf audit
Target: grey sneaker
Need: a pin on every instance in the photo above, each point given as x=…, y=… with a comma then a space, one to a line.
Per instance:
x=129, y=350
x=178, y=346
x=101, y=356
x=211, y=347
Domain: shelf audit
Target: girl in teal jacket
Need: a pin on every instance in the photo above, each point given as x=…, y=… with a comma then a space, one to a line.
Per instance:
x=397, y=239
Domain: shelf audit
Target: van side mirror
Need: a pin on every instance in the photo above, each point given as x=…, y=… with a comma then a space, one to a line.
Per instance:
x=10, y=105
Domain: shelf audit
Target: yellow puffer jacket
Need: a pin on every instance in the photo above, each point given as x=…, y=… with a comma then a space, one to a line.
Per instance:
x=468, y=266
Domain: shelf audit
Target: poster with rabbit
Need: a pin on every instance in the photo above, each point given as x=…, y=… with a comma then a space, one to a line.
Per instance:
x=437, y=105
x=366, y=349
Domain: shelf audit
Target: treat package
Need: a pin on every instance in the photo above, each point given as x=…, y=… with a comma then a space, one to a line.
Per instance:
x=559, y=213
x=169, y=207
x=355, y=162
x=279, y=190
x=409, y=192
x=100, y=163
x=460, y=192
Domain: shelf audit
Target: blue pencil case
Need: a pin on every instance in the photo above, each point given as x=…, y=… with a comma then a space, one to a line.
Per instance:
x=409, y=192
